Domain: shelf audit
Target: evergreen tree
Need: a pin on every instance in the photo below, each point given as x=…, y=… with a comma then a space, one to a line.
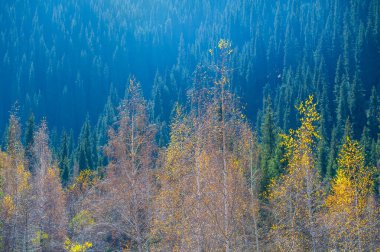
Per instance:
x=332, y=154
x=356, y=106
x=268, y=146
x=322, y=156
x=342, y=106
x=106, y=120
x=366, y=143
x=373, y=115
x=348, y=131
x=85, y=154
x=64, y=159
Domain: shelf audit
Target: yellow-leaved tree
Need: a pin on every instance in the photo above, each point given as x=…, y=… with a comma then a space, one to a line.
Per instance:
x=172, y=222
x=15, y=191
x=207, y=197
x=352, y=216
x=296, y=196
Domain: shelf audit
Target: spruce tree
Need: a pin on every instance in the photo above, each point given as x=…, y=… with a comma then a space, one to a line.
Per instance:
x=268, y=145
x=85, y=149
x=64, y=159
x=373, y=114
x=332, y=153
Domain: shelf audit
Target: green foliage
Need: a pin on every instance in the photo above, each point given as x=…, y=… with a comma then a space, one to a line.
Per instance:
x=81, y=220
x=85, y=151
x=64, y=159
x=270, y=155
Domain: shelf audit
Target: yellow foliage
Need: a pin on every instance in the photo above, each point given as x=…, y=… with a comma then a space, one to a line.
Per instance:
x=40, y=237
x=80, y=220
x=85, y=180
x=299, y=187
x=8, y=206
x=352, y=163
x=23, y=176
x=343, y=193
x=76, y=247
x=351, y=215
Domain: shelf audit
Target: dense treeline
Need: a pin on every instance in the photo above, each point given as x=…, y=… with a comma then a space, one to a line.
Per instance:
x=202, y=154
x=62, y=60
x=214, y=187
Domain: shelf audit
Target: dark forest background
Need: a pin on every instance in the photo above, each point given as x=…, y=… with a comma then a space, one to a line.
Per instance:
x=70, y=62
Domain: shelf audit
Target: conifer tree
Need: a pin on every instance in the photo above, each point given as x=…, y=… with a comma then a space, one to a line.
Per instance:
x=64, y=159
x=332, y=154
x=373, y=115
x=85, y=155
x=268, y=146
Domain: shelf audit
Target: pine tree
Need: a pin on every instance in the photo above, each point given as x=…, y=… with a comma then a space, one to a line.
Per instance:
x=373, y=115
x=106, y=119
x=85, y=154
x=332, y=154
x=64, y=159
x=366, y=143
x=268, y=146
x=356, y=106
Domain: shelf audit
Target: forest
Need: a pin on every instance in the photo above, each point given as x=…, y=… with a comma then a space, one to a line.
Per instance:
x=161, y=125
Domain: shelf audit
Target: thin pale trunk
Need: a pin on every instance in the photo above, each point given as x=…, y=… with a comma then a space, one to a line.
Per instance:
x=26, y=235
x=256, y=233
x=310, y=207
x=358, y=221
x=133, y=145
x=225, y=176
x=198, y=235
x=253, y=195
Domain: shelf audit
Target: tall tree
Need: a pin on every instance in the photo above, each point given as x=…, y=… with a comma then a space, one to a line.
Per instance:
x=296, y=195
x=373, y=115
x=202, y=202
x=85, y=155
x=29, y=140
x=16, y=192
x=48, y=217
x=65, y=158
x=268, y=146
x=125, y=205
x=14, y=146
x=352, y=215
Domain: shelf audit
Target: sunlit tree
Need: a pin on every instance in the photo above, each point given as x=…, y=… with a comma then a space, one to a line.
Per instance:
x=352, y=215
x=296, y=196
